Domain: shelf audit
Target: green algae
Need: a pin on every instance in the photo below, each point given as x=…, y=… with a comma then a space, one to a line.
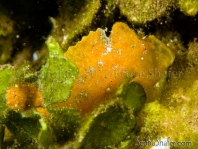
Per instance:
x=133, y=95
x=173, y=123
x=24, y=73
x=65, y=123
x=31, y=128
x=189, y=7
x=6, y=73
x=109, y=124
x=192, y=55
x=144, y=11
x=173, y=114
x=56, y=78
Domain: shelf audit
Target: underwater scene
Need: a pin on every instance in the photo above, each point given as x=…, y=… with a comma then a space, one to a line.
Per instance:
x=98, y=74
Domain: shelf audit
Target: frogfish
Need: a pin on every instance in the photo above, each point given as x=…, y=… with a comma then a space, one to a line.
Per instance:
x=105, y=62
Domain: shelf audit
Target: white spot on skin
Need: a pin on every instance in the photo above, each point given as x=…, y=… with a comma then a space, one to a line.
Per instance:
x=115, y=67
x=109, y=49
x=84, y=93
x=95, y=41
x=80, y=80
x=142, y=58
x=91, y=69
x=81, y=96
x=100, y=63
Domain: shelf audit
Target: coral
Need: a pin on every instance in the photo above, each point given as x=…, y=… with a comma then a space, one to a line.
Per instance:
x=106, y=62
x=23, y=96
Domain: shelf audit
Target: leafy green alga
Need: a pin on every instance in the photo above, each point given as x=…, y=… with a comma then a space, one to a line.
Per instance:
x=64, y=122
x=108, y=125
x=56, y=78
x=30, y=128
x=133, y=95
x=6, y=74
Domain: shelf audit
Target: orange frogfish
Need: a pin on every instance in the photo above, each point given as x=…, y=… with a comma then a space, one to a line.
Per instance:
x=105, y=62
